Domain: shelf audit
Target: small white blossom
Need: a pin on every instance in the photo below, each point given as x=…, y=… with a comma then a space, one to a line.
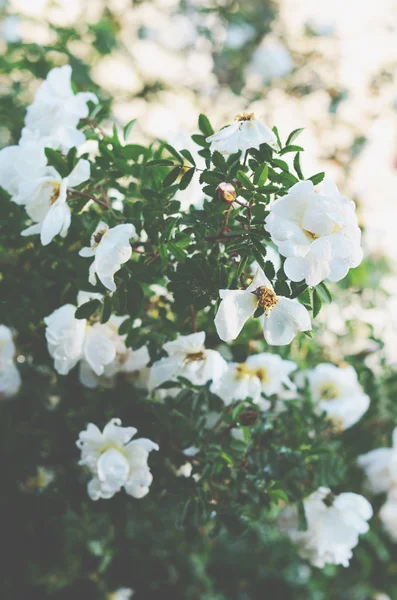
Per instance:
x=10, y=379
x=188, y=358
x=110, y=248
x=246, y=133
x=317, y=231
x=380, y=467
x=334, y=524
x=121, y=594
x=184, y=470
x=71, y=340
x=45, y=201
x=263, y=373
x=56, y=110
x=388, y=514
x=336, y=390
x=282, y=320
x=115, y=461
x=126, y=360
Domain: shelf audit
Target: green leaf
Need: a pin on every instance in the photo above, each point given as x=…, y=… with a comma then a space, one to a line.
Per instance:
x=281, y=164
x=302, y=521
x=205, y=125
x=133, y=151
x=200, y=140
x=269, y=270
x=125, y=326
x=317, y=178
x=127, y=129
x=163, y=162
x=218, y=161
x=245, y=180
x=186, y=179
x=324, y=292
x=293, y=135
x=106, y=309
x=174, y=152
x=178, y=252
x=291, y=149
x=275, y=131
x=297, y=166
x=260, y=175
x=134, y=299
x=278, y=495
x=87, y=309
x=189, y=157
x=172, y=176
x=317, y=303
x=56, y=160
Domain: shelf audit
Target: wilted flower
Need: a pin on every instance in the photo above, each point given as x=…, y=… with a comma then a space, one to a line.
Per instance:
x=261, y=373
x=283, y=318
x=334, y=524
x=380, y=466
x=115, y=461
x=317, y=231
x=336, y=391
x=188, y=358
x=10, y=379
x=246, y=133
x=45, y=200
x=56, y=110
x=226, y=192
x=110, y=248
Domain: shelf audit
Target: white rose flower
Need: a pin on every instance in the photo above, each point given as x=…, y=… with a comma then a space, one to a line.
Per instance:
x=388, y=514
x=337, y=391
x=334, y=524
x=126, y=360
x=10, y=379
x=56, y=110
x=45, y=200
x=380, y=467
x=22, y=162
x=263, y=373
x=110, y=248
x=246, y=133
x=317, y=231
x=115, y=461
x=282, y=320
x=71, y=340
x=188, y=358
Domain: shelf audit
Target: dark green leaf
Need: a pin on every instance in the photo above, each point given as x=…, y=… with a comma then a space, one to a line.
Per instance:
x=245, y=180
x=317, y=178
x=172, y=176
x=275, y=131
x=297, y=166
x=324, y=292
x=260, y=175
x=163, y=162
x=127, y=129
x=189, y=157
x=106, y=309
x=293, y=135
x=87, y=309
x=317, y=303
x=205, y=126
x=186, y=179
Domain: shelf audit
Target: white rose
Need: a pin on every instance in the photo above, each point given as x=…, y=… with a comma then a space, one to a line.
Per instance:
x=246, y=133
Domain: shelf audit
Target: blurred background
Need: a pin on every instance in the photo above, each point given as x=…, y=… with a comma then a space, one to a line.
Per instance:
x=329, y=67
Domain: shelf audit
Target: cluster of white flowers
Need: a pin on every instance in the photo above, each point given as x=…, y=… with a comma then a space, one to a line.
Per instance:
x=317, y=232
x=336, y=391
x=115, y=461
x=10, y=379
x=334, y=524
x=380, y=467
x=51, y=122
x=98, y=347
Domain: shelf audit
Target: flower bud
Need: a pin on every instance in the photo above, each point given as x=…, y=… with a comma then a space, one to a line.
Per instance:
x=226, y=192
x=248, y=417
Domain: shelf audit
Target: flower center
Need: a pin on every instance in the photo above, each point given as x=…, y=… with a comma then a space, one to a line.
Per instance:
x=56, y=188
x=267, y=298
x=194, y=356
x=310, y=234
x=97, y=237
x=329, y=499
x=244, y=117
x=329, y=391
x=243, y=371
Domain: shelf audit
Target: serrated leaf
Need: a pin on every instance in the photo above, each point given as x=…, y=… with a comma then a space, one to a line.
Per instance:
x=317, y=178
x=270, y=271
x=291, y=148
x=205, y=125
x=317, y=303
x=188, y=157
x=174, y=152
x=186, y=179
x=260, y=174
x=106, y=309
x=275, y=131
x=218, y=161
x=199, y=140
x=297, y=166
x=87, y=309
x=172, y=176
x=127, y=129
x=245, y=180
x=281, y=164
x=293, y=135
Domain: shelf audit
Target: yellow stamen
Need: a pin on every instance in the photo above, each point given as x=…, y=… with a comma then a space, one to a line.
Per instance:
x=267, y=299
x=244, y=117
x=329, y=391
x=194, y=356
x=56, y=188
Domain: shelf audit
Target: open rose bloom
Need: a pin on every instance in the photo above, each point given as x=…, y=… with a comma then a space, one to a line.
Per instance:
x=247, y=132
